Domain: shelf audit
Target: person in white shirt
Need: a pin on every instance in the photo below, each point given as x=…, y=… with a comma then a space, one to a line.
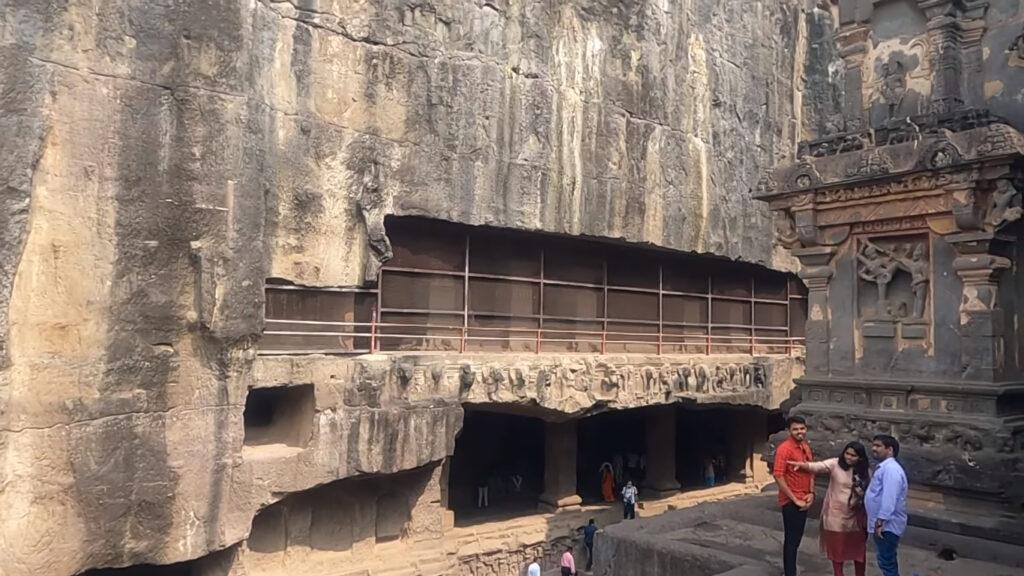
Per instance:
x=629, y=501
x=533, y=570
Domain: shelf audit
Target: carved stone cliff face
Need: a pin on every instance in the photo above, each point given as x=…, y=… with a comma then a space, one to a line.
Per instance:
x=627, y=120
x=160, y=160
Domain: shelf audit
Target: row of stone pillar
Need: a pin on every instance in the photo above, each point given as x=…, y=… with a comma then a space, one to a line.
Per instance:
x=560, y=443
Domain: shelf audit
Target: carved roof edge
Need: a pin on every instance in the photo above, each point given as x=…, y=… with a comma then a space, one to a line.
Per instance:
x=945, y=147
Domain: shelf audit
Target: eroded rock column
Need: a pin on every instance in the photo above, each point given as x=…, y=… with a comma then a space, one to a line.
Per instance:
x=560, y=465
x=661, y=452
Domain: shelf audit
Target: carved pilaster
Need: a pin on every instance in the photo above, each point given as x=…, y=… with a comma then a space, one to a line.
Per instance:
x=944, y=37
x=982, y=320
x=816, y=271
x=854, y=42
x=971, y=33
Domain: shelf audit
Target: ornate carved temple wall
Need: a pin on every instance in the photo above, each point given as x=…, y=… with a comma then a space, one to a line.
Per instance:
x=162, y=161
x=904, y=213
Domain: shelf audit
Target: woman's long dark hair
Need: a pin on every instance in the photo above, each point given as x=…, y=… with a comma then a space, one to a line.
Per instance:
x=861, y=475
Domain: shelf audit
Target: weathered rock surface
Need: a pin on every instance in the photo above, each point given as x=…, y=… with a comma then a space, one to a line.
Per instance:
x=160, y=160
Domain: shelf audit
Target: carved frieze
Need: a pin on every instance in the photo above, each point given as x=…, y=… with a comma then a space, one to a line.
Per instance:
x=906, y=207
x=574, y=384
x=889, y=225
x=914, y=183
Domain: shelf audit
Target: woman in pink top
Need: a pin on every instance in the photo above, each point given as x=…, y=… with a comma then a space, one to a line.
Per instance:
x=569, y=565
x=843, y=519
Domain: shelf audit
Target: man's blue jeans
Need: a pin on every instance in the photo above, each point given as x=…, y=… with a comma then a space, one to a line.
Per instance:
x=886, y=547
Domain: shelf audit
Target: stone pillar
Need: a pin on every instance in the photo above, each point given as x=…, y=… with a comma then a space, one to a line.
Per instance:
x=660, y=427
x=982, y=321
x=447, y=514
x=560, y=465
x=816, y=271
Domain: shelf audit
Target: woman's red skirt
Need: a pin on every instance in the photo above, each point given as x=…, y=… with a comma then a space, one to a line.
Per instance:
x=844, y=546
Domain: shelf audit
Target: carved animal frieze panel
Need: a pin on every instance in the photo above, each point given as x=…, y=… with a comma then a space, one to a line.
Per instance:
x=583, y=382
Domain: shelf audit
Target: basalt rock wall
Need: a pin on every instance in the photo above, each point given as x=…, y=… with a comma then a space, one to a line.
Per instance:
x=161, y=159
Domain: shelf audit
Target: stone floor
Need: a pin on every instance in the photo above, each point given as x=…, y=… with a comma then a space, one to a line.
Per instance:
x=743, y=537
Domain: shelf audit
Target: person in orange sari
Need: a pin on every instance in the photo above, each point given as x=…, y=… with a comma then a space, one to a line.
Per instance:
x=607, y=483
x=843, y=519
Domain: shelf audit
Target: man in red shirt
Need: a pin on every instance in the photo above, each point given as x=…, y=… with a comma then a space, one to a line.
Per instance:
x=796, y=489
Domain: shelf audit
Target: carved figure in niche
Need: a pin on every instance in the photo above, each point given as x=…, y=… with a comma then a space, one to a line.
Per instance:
x=941, y=158
x=1005, y=205
x=703, y=378
x=666, y=378
x=648, y=378
x=437, y=374
x=542, y=383
x=686, y=379
x=718, y=381
x=735, y=381
x=466, y=378
x=877, y=265
x=494, y=378
x=372, y=208
x=1018, y=46
x=369, y=382
x=915, y=262
x=748, y=376
x=518, y=379
x=785, y=230
x=405, y=372
x=611, y=380
x=760, y=380
x=893, y=86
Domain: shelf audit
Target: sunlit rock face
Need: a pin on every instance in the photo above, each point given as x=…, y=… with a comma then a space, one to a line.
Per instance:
x=160, y=160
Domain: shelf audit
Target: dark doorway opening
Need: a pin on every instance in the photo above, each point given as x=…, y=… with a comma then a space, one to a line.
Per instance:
x=279, y=415
x=616, y=438
x=503, y=453
x=718, y=437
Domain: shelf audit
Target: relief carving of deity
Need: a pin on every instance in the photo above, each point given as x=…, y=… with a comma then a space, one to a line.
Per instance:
x=877, y=266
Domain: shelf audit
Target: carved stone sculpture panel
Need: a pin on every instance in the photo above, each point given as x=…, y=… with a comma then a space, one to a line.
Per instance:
x=894, y=275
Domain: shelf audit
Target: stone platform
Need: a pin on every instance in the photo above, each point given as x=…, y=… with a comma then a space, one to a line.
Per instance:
x=743, y=537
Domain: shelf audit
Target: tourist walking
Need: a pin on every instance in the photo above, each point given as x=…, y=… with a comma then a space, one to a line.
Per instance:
x=607, y=483
x=533, y=569
x=709, y=472
x=886, y=503
x=843, y=519
x=796, y=489
x=588, y=539
x=629, y=501
x=568, y=564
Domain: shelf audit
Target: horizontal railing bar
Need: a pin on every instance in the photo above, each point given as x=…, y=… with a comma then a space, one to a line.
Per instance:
x=352, y=290
x=718, y=340
x=549, y=329
x=317, y=322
